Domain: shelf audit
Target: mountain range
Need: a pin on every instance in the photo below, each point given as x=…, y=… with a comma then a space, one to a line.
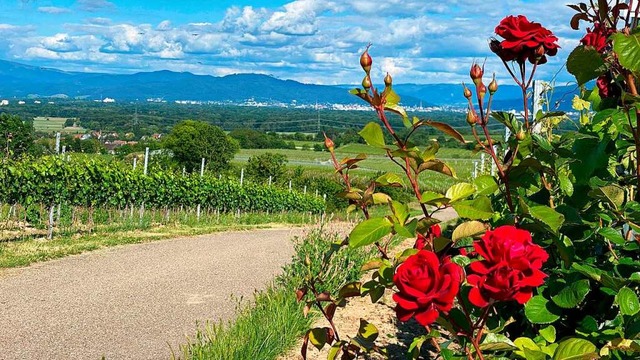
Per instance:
x=20, y=81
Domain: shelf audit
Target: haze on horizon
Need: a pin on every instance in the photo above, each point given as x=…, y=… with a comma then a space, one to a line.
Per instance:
x=312, y=41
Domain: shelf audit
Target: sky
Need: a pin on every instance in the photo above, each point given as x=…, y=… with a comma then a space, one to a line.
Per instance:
x=312, y=41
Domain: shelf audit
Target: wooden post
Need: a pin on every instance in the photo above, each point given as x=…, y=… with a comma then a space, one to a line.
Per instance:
x=241, y=176
x=305, y=189
x=289, y=185
x=135, y=162
x=57, y=143
x=270, y=178
x=146, y=160
x=202, y=168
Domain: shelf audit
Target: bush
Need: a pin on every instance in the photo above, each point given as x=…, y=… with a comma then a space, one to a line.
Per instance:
x=267, y=165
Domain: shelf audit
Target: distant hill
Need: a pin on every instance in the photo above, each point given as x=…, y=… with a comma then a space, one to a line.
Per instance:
x=21, y=81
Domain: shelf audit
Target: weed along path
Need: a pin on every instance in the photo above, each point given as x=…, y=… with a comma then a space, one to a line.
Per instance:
x=134, y=302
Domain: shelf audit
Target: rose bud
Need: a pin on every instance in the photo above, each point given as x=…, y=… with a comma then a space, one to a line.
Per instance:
x=328, y=143
x=495, y=46
x=366, y=83
x=472, y=118
x=467, y=93
x=493, y=86
x=482, y=90
x=520, y=135
x=476, y=73
x=388, y=80
x=366, y=61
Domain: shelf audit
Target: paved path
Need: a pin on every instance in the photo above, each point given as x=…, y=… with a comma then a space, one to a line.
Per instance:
x=133, y=302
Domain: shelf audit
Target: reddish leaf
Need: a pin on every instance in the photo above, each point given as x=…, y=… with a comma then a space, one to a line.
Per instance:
x=330, y=310
x=325, y=296
x=447, y=129
x=300, y=293
x=305, y=344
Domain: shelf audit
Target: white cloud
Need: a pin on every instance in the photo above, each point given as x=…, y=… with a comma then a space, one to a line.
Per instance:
x=53, y=10
x=95, y=5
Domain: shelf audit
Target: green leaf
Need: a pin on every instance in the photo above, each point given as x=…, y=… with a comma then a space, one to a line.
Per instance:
x=585, y=64
x=548, y=216
x=628, y=301
x=367, y=335
x=318, y=337
x=612, y=194
x=430, y=152
x=400, y=211
x=372, y=134
x=549, y=334
x=416, y=344
x=390, y=179
x=612, y=235
x=468, y=229
x=460, y=191
x=565, y=184
x=627, y=47
x=496, y=342
x=575, y=349
x=477, y=209
x=369, y=231
x=334, y=351
x=486, y=185
x=433, y=198
x=572, y=295
x=540, y=311
x=400, y=111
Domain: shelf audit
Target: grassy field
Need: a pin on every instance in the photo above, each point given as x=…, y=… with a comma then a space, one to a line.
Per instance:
x=54, y=124
x=461, y=160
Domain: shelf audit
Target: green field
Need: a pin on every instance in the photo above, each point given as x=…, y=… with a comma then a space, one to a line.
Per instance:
x=461, y=160
x=54, y=124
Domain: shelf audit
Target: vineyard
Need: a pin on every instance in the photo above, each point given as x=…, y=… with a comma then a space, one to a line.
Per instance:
x=51, y=190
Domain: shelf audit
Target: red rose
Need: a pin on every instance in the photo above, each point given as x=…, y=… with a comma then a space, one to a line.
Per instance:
x=421, y=241
x=607, y=88
x=509, y=269
x=524, y=40
x=426, y=287
x=597, y=38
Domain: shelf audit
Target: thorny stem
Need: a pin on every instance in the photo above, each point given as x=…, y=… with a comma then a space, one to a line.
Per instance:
x=634, y=91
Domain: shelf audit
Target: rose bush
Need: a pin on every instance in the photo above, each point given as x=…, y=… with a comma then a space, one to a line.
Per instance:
x=426, y=286
x=558, y=277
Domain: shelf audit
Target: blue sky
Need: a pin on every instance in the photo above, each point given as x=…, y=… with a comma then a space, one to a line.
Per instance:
x=314, y=41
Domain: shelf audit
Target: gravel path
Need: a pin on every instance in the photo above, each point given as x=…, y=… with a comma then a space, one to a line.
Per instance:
x=133, y=302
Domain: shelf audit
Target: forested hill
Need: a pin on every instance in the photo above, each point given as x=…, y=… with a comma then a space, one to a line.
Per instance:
x=22, y=81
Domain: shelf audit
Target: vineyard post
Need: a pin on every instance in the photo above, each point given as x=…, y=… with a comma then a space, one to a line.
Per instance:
x=475, y=169
x=146, y=168
x=539, y=88
x=201, y=175
x=270, y=178
x=289, y=185
x=305, y=189
x=241, y=176
x=64, y=149
x=482, y=162
x=135, y=162
x=146, y=160
x=57, y=143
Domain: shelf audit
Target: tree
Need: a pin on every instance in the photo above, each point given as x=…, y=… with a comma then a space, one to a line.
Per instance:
x=191, y=140
x=16, y=136
x=261, y=167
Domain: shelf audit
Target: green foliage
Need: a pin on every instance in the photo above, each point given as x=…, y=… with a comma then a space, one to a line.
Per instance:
x=254, y=139
x=92, y=183
x=262, y=167
x=190, y=141
x=16, y=136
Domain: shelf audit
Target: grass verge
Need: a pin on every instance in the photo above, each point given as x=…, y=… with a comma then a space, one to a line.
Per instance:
x=24, y=249
x=274, y=322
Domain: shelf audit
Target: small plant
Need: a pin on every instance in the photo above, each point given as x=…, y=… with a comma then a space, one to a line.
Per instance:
x=544, y=262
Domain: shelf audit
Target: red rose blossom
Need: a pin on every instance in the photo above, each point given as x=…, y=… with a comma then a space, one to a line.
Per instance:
x=426, y=287
x=607, y=88
x=421, y=241
x=524, y=40
x=509, y=269
x=597, y=38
